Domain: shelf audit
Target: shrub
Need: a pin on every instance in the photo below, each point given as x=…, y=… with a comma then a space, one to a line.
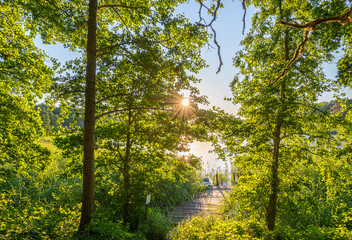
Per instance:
x=156, y=226
x=213, y=227
x=105, y=229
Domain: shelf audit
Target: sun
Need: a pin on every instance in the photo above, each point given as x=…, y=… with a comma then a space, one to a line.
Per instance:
x=185, y=102
x=182, y=106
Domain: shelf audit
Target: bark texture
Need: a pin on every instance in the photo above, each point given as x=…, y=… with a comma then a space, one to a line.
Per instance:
x=127, y=176
x=89, y=120
x=274, y=184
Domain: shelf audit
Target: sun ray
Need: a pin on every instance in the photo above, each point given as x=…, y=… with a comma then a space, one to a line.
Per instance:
x=185, y=102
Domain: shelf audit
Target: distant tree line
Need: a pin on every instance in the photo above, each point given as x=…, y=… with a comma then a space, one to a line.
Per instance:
x=334, y=106
x=50, y=119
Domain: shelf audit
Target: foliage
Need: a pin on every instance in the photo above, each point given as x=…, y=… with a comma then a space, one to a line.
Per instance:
x=283, y=140
x=40, y=204
x=210, y=227
x=293, y=154
x=139, y=121
x=52, y=119
x=102, y=228
x=46, y=204
x=156, y=226
x=24, y=76
x=168, y=185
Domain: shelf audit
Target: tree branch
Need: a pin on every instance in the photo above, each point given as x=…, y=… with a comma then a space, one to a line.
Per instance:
x=305, y=149
x=125, y=109
x=112, y=96
x=298, y=53
x=113, y=6
x=219, y=53
x=121, y=45
x=201, y=19
x=244, y=15
x=343, y=19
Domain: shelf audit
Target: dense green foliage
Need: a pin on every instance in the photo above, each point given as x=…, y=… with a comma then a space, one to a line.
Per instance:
x=52, y=120
x=24, y=76
x=139, y=119
x=46, y=204
x=140, y=122
x=292, y=154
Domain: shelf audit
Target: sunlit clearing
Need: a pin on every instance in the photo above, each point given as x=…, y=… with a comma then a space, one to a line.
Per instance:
x=185, y=102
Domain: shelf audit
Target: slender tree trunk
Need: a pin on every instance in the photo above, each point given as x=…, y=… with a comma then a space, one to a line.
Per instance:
x=274, y=185
x=89, y=120
x=126, y=176
x=126, y=192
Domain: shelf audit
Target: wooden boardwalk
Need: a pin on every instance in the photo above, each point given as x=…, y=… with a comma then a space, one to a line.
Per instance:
x=208, y=201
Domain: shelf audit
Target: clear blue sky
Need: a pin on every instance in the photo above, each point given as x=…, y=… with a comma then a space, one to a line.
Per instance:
x=228, y=27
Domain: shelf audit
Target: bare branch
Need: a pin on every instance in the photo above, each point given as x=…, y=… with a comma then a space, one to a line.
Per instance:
x=123, y=21
x=244, y=15
x=219, y=53
x=120, y=45
x=112, y=53
x=66, y=92
x=202, y=20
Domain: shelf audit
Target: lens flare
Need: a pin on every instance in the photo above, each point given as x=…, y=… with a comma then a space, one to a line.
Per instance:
x=185, y=102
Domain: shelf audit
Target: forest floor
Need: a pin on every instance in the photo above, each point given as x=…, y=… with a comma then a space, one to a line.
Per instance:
x=207, y=202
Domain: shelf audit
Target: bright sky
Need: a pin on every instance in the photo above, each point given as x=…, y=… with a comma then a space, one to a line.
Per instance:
x=228, y=27
x=229, y=34
x=216, y=86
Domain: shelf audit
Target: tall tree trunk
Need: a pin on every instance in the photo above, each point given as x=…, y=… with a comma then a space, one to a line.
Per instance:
x=126, y=175
x=126, y=192
x=89, y=120
x=274, y=185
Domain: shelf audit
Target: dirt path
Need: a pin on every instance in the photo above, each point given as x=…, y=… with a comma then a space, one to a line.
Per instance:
x=208, y=201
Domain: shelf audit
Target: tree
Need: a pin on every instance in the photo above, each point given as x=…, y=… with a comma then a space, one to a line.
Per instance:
x=24, y=77
x=144, y=81
x=278, y=104
x=89, y=118
x=44, y=115
x=119, y=27
x=69, y=24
